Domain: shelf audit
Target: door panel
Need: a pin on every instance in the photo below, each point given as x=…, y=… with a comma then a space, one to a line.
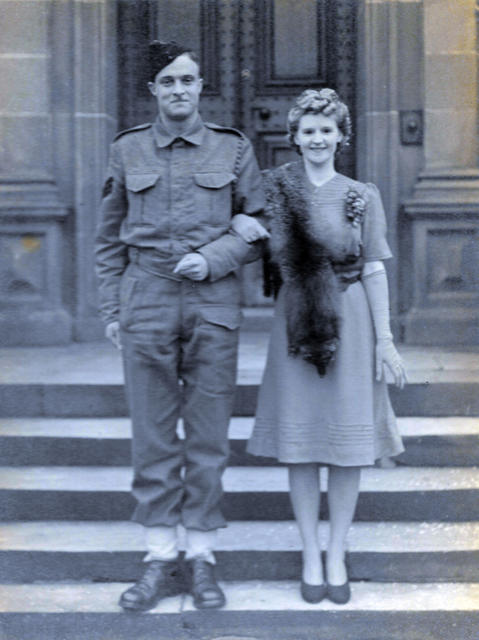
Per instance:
x=290, y=44
x=256, y=57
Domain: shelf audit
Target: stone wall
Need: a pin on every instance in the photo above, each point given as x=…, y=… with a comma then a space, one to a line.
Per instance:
x=416, y=139
x=57, y=114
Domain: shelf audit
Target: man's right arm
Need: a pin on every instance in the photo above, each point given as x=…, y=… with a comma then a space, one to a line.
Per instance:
x=111, y=253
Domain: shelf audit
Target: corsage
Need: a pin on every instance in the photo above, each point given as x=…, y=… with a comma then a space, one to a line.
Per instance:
x=355, y=207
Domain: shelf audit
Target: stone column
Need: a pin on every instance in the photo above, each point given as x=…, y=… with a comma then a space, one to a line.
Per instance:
x=442, y=216
x=388, y=85
x=58, y=114
x=32, y=216
x=94, y=112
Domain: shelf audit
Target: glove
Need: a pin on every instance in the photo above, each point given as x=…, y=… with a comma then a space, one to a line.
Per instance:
x=376, y=286
x=193, y=266
x=386, y=353
x=112, y=332
x=248, y=228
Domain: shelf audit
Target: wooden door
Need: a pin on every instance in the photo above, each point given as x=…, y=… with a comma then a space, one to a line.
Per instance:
x=285, y=47
x=288, y=46
x=256, y=57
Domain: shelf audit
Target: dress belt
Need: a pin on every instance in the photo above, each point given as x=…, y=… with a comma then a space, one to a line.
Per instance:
x=344, y=280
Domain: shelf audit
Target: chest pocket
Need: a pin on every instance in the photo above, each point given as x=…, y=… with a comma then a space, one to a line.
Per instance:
x=213, y=196
x=142, y=196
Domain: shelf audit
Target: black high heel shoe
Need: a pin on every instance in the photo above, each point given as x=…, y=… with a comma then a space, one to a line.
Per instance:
x=340, y=594
x=313, y=593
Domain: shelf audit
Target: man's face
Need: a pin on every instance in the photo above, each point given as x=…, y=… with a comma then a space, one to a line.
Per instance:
x=177, y=88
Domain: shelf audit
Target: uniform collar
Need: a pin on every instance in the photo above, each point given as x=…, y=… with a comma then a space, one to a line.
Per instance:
x=164, y=138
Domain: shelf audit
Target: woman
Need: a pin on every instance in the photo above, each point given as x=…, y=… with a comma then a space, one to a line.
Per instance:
x=324, y=398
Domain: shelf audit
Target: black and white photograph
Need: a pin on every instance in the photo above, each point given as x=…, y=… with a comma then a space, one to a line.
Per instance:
x=239, y=320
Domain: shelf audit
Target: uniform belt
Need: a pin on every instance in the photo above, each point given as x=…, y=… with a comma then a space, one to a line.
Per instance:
x=153, y=262
x=345, y=280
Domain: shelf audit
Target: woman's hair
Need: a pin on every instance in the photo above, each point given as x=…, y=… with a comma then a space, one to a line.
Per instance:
x=325, y=101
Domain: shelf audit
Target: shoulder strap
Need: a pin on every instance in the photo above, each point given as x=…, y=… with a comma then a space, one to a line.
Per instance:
x=219, y=127
x=139, y=127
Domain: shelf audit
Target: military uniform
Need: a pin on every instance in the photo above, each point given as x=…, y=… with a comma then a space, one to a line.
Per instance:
x=164, y=197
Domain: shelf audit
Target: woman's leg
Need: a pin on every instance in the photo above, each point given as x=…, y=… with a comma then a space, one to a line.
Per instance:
x=305, y=498
x=343, y=490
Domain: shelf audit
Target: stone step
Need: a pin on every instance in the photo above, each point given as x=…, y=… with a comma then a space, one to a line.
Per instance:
x=240, y=428
x=260, y=610
x=112, y=551
x=108, y=400
x=251, y=493
x=106, y=441
x=92, y=363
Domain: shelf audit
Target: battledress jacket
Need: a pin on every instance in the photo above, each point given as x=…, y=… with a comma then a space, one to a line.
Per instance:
x=174, y=195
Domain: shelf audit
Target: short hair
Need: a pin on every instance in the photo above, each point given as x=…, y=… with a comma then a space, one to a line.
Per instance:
x=195, y=57
x=325, y=101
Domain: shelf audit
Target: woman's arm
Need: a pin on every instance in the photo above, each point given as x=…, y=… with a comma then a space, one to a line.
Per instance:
x=376, y=285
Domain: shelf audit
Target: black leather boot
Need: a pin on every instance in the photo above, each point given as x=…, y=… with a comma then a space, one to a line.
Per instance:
x=161, y=579
x=203, y=586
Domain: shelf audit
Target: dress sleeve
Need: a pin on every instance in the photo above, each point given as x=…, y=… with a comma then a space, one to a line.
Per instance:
x=375, y=245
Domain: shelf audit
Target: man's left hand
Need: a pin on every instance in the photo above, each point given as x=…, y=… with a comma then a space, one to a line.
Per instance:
x=193, y=266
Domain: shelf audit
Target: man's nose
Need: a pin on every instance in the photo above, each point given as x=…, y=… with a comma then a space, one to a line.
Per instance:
x=178, y=87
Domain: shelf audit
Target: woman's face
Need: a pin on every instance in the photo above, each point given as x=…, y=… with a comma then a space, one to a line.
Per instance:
x=317, y=137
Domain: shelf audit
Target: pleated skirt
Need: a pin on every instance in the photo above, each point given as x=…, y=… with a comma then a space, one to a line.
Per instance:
x=344, y=418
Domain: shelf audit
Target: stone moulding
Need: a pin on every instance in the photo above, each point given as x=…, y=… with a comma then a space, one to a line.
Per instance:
x=441, y=226
x=32, y=310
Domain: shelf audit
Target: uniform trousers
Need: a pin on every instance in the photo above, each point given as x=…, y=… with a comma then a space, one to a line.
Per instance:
x=180, y=341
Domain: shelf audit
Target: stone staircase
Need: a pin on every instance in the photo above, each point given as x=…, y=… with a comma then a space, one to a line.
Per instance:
x=67, y=548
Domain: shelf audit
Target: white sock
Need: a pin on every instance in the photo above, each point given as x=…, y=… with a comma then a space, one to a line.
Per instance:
x=161, y=542
x=200, y=544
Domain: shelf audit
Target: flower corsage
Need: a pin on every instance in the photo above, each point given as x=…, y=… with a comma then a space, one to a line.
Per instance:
x=355, y=207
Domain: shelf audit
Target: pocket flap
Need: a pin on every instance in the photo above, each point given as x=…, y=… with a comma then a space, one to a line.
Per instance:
x=229, y=317
x=140, y=181
x=214, y=180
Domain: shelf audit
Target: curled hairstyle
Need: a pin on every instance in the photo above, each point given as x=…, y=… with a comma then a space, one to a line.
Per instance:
x=325, y=101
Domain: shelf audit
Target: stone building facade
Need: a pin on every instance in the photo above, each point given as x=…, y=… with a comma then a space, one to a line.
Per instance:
x=71, y=76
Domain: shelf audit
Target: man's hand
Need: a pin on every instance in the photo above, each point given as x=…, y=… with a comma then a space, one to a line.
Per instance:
x=112, y=332
x=193, y=266
x=248, y=228
x=387, y=354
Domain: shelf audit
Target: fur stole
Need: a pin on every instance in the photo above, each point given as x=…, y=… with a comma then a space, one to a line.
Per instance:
x=304, y=268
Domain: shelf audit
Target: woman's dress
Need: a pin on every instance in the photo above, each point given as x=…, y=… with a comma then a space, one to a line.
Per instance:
x=345, y=417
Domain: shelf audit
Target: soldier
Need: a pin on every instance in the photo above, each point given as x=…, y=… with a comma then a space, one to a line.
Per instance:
x=169, y=295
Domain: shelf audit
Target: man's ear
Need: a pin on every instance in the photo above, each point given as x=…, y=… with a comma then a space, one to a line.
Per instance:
x=152, y=88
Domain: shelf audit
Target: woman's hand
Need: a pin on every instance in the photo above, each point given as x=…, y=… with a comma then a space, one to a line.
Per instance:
x=386, y=353
x=248, y=228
